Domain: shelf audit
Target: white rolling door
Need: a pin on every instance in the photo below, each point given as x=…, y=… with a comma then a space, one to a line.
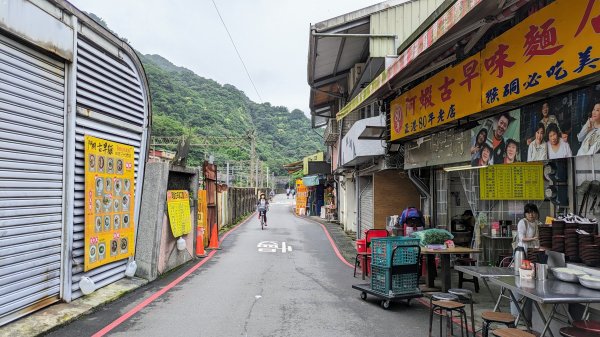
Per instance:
x=32, y=110
x=366, y=204
x=111, y=105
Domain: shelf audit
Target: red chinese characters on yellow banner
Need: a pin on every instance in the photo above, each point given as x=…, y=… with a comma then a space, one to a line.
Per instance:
x=553, y=46
x=453, y=93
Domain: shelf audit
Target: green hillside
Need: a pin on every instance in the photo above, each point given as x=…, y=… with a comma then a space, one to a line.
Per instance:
x=185, y=103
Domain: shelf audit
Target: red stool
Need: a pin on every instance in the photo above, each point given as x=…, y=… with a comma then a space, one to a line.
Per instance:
x=576, y=332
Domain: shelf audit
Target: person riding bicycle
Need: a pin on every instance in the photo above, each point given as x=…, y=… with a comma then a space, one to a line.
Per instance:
x=262, y=206
x=271, y=195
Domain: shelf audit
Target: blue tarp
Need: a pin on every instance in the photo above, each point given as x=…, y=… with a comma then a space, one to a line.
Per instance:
x=311, y=180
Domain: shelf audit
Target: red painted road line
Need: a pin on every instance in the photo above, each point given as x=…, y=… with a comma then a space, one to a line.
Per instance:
x=159, y=293
x=335, y=248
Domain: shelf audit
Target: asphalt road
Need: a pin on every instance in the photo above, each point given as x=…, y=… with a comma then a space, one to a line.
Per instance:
x=304, y=290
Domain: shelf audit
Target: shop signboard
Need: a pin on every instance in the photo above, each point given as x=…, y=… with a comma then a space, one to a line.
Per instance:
x=178, y=206
x=553, y=46
x=109, y=191
x=522, y=181
x=451, y=94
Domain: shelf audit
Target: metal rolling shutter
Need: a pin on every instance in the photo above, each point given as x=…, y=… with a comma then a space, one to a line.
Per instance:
x=366, y=205
x=112, y=91
x=32, y=109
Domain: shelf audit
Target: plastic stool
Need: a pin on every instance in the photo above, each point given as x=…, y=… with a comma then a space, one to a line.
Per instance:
x=511, y=332
x=577, y=332
x=466, y=295
x=443, y=297
x=490, y=317
x=461, y=276
x=449, y=307
x=588, y=325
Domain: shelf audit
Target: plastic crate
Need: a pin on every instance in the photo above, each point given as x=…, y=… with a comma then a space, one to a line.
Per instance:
x=382, y=282
x=361, y=246
x=382, y=248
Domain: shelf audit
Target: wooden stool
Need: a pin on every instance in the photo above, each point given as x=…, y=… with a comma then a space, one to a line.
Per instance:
x=511, y=332
x=465, y=296
x=593, y=326
x=576, y=332
x=449, y=307
x=490, y=317
x=461, y=277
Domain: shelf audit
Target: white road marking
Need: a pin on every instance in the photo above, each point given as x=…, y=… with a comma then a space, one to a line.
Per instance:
x=257, y=296
x=283, y=250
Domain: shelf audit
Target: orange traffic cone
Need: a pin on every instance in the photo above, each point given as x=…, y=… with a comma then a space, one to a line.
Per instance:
x=214, y=238
x=200, y=242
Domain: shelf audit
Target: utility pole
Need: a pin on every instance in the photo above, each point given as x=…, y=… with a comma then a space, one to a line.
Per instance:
x=227, y=175
x=267, y=176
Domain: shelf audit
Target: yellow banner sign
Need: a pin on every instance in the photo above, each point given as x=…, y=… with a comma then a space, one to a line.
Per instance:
x=451, y=94
x=202, y=214
x=109, y=195
x=523, y=181
x=178, y=205
x=555, y=45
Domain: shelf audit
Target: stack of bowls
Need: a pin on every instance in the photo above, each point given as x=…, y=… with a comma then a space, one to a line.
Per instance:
x=590, y=255
x=546, y=236
x=572, y=245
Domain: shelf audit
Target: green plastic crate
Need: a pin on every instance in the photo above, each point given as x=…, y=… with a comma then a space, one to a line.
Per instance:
x=382, y=248
x=382, y=282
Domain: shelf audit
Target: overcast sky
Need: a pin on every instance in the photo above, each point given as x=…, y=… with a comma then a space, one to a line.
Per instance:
x=271, y=36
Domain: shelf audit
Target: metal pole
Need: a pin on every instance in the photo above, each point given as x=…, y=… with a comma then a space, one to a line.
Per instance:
x=256, y=175
x=227, y=175
x=267, y=177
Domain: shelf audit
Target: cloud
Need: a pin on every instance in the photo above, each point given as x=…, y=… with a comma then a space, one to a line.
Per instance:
x=271, y=36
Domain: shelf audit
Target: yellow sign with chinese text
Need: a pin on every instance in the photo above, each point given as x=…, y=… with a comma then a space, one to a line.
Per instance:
x=451, y=94
x=178, y=206
x=109, y=202
x=553, y=46
x=523, y=181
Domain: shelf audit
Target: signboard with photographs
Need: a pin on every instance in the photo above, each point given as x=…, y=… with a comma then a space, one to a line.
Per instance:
x=496, y=140
x=109, y=198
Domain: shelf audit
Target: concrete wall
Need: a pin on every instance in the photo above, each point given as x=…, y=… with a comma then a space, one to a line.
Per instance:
x=156, y=250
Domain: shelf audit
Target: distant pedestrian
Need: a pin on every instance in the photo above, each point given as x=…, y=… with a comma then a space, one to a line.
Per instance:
x=287, y=193
x=293, y=193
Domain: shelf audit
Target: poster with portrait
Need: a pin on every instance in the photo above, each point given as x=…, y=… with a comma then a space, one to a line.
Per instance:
x=496, y=140
x=109, y=200
x=562, y=126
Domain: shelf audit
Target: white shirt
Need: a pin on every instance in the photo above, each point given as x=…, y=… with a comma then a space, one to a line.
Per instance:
x=537, y=152
x=526, y=229
x=590, y=141
x=564, y=150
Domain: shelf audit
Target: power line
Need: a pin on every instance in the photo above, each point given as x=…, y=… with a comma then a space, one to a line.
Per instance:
x=236, y=50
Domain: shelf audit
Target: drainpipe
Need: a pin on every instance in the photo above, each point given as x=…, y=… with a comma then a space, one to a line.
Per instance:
x=419, y=184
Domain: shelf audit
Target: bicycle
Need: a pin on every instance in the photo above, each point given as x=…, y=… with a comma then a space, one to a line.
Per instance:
x=262, y=219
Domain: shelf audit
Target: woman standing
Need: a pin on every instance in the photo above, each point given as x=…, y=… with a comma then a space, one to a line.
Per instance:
x=537, y=148
x=527, y=229
x=589, y=136
x=557, y=148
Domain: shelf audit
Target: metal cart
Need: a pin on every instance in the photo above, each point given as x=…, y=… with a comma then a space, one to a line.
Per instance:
x=394, y=283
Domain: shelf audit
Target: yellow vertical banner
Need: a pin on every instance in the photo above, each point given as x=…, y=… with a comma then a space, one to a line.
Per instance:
x=109, y=202
x=178, y=206
x=202, y=214
x=550, y=47
x=301, y=195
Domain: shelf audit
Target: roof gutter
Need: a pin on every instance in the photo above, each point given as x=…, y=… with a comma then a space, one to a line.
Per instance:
x=389, y=36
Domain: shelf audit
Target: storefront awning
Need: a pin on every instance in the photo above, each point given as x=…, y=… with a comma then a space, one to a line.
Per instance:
x=310, y=180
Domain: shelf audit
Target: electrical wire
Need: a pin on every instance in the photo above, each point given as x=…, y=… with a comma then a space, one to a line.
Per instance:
x=237, y=52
